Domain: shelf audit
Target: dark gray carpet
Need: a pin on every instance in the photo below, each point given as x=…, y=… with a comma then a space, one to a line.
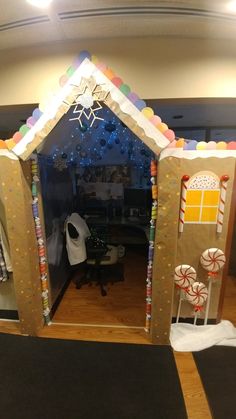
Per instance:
x=217, y=369
x=64, y=379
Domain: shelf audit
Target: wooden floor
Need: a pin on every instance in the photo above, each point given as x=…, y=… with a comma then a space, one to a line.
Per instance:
x=194, y=396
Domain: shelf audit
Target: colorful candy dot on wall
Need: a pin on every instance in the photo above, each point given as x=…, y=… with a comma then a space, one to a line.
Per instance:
x=140, y=104
x=36, y=114
x=124, y=88
x=148, y=112
x=180, y=143
x=162, y=127
x=84, y=54
x=231, y=145
x=191, y=145
x=221, y=145
x=17, y=137
x=70, y=71
x=201, y=145
x=155, y=120
x=117, y=81
x=211, y=145
x=24, y=129
x=169, y=134
x=30, y=121
x=133, y=97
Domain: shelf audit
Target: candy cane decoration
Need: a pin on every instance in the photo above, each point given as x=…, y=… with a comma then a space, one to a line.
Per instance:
x=184, y=188
x=223, y=187
x=212, y=260
x=185, y=275
x=197, y=294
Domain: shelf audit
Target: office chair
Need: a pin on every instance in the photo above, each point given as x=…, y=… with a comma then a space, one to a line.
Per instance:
x=99, y=256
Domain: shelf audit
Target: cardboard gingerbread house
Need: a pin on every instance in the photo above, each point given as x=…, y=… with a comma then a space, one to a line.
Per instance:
x=192, y=212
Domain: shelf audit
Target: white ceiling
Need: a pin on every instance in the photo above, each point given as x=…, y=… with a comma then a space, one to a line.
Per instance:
x=22, y=24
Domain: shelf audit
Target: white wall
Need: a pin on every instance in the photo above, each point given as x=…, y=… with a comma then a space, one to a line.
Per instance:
x=154, y=68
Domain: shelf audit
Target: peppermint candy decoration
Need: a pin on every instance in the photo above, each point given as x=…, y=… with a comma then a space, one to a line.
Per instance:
x=197, y=294
x=213, y=260
x=185, y=275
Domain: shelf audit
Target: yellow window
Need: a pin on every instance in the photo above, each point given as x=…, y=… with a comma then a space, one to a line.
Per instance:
x=192, y=214
x=209, y=214
x=211, y=197
x=193, y=197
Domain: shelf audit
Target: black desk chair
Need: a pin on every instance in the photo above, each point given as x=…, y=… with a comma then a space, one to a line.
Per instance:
x=99, y=256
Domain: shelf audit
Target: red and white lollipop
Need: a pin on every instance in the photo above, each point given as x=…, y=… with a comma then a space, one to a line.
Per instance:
x=197, y=295
x=213, y=260
x=185, y=275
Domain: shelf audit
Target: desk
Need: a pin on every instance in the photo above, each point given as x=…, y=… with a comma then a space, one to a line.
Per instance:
x=120, y=230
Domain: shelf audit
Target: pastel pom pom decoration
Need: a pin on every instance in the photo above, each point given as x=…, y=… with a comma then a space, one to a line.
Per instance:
x=124, y=88
x=117, y=81
x=169, y=134
x=36, y=114
x=63, y=80
x=148, y=112
x=162, y=127
x=197, y=295
x=133, y=97
x=185, y=275
x=84, y=54
x=213, y=260
x=17, y=137
x=24, y=129
x=30, y=121
x=140, y=104
x=155, y=120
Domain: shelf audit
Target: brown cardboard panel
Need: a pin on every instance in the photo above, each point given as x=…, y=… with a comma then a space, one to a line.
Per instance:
x=165, y=249
x=198, y=237
x=16, y=192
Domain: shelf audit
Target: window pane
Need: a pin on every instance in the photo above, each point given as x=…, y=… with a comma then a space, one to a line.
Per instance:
x=192, y=214
x=211, y=198
x=193, y=197
x=209, y=214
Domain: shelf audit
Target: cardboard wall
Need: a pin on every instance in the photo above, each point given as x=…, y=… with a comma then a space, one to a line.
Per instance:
x=173, y=249
x=16, y=190
x=7, y=292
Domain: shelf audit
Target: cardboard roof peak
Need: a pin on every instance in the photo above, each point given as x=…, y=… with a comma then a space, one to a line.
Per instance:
x=88, y=74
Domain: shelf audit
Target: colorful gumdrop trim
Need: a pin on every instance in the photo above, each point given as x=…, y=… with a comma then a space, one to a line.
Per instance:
x=40, y=241
x=151, y=245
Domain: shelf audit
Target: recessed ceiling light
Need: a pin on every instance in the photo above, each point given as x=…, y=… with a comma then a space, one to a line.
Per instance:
x=232, y=6
x=40, y=3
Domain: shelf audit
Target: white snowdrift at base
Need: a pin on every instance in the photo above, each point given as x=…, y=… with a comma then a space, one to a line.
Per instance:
x=185, y=337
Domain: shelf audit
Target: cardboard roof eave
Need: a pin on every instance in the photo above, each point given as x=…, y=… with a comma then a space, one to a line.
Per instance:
x=58, y=106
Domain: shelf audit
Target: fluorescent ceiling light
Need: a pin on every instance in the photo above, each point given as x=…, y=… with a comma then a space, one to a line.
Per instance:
x=232, y=6
x=40, y=3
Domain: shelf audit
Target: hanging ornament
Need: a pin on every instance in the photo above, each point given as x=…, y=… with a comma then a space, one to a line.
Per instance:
x=110, y=127
x=103, y=142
